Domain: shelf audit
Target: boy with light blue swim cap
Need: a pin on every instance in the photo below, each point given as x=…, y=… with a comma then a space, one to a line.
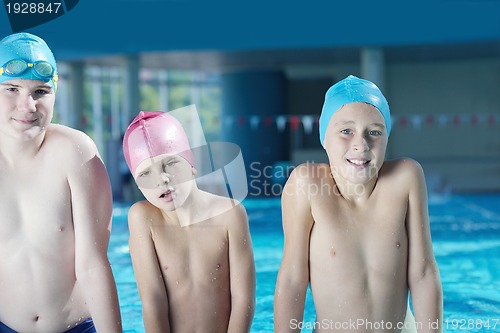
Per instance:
x=55, y=203
x=26, y=56
x=351, y=90
x=357, y=228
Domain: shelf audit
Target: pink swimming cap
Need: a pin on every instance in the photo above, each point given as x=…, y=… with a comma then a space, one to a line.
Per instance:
x=154, y=133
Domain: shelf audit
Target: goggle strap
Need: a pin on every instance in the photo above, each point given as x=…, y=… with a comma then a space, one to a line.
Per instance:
x=54, y=79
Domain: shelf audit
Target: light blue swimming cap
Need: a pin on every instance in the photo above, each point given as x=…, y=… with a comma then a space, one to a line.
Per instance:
x=31, y=49
x=350, y=90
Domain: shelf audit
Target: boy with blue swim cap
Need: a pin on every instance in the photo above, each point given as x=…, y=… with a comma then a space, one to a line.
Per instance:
x=26, y=56
x=351, y=90
x=357, y=229
x=55, y=203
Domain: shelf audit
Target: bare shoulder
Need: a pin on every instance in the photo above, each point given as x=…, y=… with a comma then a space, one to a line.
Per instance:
x=138, y=209
x=403, y=171
x=310, y=172
x=141, y=215
x=69, y=135
x=307, y=173
x=402, y=166
x=305, y=179
x=74, y=144
x=229, y=210
x=236, y=220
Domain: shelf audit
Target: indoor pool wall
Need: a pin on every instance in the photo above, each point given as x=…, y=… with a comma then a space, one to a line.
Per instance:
x=466, y=240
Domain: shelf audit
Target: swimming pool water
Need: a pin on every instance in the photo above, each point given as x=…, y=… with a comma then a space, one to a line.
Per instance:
x=466, y=240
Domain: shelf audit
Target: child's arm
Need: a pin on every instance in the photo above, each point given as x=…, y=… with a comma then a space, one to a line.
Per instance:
x=242, y=272
x=293, y=275
x=91, y=204
x=423, y=273
x=147, y=272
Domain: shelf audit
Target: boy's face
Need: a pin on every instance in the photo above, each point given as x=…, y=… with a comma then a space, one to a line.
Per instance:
x=355, y=141
x=165, y=180
x=26, y=108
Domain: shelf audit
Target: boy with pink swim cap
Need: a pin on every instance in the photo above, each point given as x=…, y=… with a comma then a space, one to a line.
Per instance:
x=357, y=229
x=191, y=250
x=146, y=139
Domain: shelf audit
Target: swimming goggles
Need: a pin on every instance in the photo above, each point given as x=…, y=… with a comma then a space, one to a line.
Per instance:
x=42, y=69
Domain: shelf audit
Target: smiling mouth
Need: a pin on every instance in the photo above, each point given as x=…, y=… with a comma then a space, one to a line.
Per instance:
x=25, y=121
x=359, y=162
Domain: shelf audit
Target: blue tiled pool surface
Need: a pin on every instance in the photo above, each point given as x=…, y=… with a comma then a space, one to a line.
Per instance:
x=466, y=240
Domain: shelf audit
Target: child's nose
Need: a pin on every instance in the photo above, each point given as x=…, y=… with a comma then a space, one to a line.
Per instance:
x=360, y=143
x=26, y=103
x=165, y=177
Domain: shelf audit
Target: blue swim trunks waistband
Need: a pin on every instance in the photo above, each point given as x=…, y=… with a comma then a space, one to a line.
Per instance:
x=85, y=327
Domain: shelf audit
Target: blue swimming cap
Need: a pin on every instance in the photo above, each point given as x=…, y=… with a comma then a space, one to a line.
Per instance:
x=350, y=90
x=29, y=48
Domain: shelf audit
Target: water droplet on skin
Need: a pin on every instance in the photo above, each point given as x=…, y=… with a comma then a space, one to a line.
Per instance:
x=217, y=268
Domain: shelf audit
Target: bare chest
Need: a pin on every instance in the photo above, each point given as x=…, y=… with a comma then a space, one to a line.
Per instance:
x=360, y=236
x=192, y=253
x=34, y=204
